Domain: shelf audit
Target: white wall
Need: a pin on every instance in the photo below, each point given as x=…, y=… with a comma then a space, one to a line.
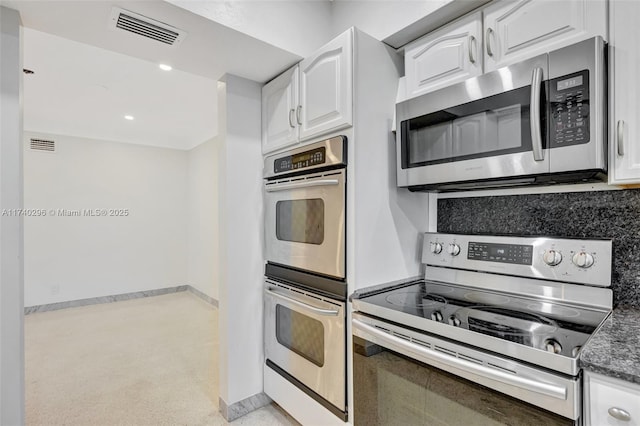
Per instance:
x=380, y=18
x=202, y=218
x=241, y=239
x=69, y=258
x=11, y=249
x=299, y=27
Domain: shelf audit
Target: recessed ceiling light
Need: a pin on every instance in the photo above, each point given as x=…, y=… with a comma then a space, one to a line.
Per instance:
x=128, y=117
x=165, y=67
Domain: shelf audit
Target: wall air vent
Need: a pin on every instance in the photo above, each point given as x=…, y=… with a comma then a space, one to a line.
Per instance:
x=141, y=25
x=42, y=145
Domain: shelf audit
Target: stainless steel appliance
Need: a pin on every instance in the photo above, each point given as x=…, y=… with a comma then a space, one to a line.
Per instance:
x=305, y=208
x=305, y=289
x=492, y=333
x=539, y=121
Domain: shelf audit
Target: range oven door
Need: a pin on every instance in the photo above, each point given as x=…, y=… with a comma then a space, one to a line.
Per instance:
x=304, y=337
x=488, y=127
x=405, y=377
x=305, y=222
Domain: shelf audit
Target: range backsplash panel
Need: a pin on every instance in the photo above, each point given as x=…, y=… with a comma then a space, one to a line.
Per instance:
x=598, y=214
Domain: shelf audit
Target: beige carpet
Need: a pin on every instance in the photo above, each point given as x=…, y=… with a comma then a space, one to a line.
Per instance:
x=150, y=361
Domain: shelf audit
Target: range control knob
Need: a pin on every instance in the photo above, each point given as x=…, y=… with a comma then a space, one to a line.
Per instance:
x=552, y=346
x=552, y=257
x=575, y=351
x=454, y=321
x=453, y=249
x=582, y=259
x=436, y=316
x=436, y=248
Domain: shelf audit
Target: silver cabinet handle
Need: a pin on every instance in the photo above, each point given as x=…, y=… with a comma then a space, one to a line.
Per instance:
x=319, y=311
x=400, y=345
x=488, y=41
x=620, y=414
x=299, y=185
x=298, y=110
x=620, y=137
x=472, y=41
x=534, y=114
x=291, y=111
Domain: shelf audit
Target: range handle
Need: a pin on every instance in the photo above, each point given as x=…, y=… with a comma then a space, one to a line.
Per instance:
x=395, y=343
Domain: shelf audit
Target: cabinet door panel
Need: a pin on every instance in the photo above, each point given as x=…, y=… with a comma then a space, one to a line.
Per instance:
x=444, y=57
x=326, y=88
x=279, y=101
x=624, y=60
x=605, y=395
x=516, y=30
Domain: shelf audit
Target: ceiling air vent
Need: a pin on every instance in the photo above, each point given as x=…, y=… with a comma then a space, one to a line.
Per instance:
x=42, y=145
x=145, y=26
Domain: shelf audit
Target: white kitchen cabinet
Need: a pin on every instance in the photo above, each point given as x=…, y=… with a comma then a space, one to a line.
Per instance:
x=279, y=104
x=624, y=92
x=326, y=88
x=517, y=30
x=610, y=401
x=311, y=99
x=446, y=56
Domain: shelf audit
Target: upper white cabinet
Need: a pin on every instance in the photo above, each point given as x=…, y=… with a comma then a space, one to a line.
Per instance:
x=516, y=30
x=326, y=88
x=624, y=92
x=312, y=98
x=610, y=401
x=446, y=56
x=279, y=104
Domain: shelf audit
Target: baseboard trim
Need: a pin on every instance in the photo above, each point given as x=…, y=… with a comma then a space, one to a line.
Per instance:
x=210, y=300
x=240, y=408
x=118, y=298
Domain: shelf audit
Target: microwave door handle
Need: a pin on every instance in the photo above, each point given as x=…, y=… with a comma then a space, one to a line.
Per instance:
x=534, y=117
x=400, y=345
x=299, y=185
x=319, y=311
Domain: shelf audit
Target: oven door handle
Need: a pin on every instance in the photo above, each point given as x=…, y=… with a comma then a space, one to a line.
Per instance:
x=298, y=185
x=316, y=310
x=559, y=392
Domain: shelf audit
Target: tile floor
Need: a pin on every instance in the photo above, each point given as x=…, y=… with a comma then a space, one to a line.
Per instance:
x=150, y=361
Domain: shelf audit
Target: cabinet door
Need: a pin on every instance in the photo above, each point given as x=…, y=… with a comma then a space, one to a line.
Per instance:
x=279, y=103
x=624, y=60
x=326, y=88
x=611, y=401
x=516, y=30
x=444, y=57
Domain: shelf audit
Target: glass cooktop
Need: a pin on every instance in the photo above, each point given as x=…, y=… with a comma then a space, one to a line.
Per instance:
x=549, y=326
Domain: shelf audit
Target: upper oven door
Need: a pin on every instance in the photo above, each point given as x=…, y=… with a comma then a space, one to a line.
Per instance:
x=487, y=127
x=305, y=222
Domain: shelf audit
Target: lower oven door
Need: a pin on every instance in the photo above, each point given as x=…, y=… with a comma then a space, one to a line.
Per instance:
x=304, y=337
x=406, y=377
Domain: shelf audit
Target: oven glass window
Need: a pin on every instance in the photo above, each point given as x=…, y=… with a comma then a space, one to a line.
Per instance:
x=491, y=126
x=301, y=334
x=300, y=221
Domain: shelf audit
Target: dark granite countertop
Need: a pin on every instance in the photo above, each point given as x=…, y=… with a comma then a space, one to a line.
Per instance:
x=614, y=350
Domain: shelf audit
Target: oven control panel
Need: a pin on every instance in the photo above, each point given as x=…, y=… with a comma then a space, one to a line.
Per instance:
x=557, y=259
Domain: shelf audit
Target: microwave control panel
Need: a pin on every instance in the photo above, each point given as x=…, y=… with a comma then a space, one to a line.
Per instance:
x=569, y=115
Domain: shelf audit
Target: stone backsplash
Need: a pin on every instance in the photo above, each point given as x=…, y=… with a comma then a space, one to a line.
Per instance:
x=598, y=214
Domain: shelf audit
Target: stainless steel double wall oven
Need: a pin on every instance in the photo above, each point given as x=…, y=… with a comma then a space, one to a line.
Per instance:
x=305, y=285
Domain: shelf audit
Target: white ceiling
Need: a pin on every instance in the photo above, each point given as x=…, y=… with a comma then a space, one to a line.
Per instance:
x=88, y=76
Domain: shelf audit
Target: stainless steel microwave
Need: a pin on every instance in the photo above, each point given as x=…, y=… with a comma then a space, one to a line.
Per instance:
x=540, y=121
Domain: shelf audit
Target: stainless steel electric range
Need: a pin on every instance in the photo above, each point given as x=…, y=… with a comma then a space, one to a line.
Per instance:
x=491, y=335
